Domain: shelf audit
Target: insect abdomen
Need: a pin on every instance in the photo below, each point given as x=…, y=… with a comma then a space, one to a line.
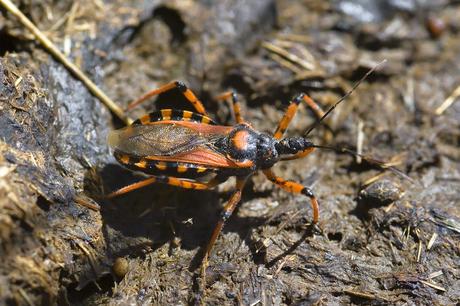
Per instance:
x=154, y=167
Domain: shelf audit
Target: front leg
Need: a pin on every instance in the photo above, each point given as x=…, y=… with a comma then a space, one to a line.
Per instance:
x=291, y=111
x=294, y=187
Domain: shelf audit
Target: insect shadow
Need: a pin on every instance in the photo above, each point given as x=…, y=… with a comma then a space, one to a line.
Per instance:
x=157, y=214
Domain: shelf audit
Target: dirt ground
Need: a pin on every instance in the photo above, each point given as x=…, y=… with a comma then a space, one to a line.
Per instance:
x=387, y=238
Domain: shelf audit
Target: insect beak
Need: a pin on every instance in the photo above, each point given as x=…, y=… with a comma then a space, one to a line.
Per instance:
x=298, y=155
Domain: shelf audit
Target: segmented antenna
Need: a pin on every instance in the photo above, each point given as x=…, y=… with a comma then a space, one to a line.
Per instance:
x=370, y=160
x=343, y=98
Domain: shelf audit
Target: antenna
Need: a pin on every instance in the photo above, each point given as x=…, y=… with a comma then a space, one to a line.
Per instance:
x=344, y=97
x=370, y=160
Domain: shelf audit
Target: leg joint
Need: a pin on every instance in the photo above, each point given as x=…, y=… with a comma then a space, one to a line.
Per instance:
x=234, y=97
x=307, y=192
x=162, y=179
x=181, y=86
x=298, y=98
x=225, y=214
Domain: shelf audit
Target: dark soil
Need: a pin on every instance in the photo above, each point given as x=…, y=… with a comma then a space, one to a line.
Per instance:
x=386, y=237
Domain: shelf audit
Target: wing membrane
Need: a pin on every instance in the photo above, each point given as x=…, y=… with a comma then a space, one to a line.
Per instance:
x=162, y=139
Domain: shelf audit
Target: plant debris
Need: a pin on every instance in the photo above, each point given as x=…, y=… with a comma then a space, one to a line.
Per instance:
x=383, y=239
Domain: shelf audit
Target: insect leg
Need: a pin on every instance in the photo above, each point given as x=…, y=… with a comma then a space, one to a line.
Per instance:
x=235, y=103
x=294, y=187
x=188, y=94
x=292, y=109
x=226, y=213
x=169, y=180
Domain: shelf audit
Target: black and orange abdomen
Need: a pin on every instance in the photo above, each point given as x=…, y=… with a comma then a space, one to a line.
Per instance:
x=157, y=167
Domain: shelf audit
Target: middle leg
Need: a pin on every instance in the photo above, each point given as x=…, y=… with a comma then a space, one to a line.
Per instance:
x=226, y=213
x=235, y=104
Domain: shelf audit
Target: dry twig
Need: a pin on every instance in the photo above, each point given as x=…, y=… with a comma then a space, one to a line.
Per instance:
x=51, y=48
x=448, y=102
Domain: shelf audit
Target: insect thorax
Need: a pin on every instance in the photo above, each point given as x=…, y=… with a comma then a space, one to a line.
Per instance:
x=245, y=144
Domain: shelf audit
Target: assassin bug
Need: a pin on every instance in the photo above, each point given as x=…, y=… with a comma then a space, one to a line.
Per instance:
x=178, y=148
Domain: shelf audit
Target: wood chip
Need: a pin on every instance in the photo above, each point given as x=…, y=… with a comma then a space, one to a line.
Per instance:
x=433, y=285
x=359, y=294
x=359, y=141
x=435, y=274
x=448, y=102
x=432, y=240
x=288, y=55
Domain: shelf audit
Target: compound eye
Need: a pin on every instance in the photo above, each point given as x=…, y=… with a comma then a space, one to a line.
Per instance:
x=296, y=143
x=268, y=154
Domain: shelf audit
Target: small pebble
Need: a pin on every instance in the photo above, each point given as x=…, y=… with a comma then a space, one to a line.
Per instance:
x=380, y=193
x=435, y=26
x=176, y=242
x=120, y=267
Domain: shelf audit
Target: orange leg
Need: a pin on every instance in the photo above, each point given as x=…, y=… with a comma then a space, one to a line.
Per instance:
x=226, y=213
x=169, y=180
x=294, y=187
x=235, y=103
x=292, y=109
x=314, y=107
x=188, y=94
